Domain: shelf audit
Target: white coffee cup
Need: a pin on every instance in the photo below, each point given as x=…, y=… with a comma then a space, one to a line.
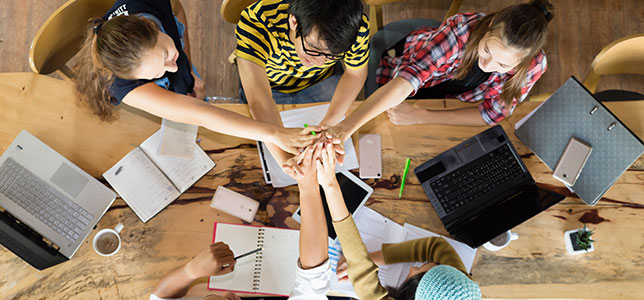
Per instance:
x=107, y=242
x=501, y=241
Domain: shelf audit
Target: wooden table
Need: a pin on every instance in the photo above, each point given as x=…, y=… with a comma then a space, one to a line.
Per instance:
x=535, y=266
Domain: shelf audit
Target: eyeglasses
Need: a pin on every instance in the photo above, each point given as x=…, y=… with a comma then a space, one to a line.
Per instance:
x=318, y=53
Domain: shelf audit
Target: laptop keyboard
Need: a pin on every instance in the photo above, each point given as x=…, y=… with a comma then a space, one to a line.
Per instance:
x=480, y=176
x=46, y=204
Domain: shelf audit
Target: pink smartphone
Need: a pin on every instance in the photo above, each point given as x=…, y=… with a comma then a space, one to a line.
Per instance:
x=370, y=149
x=571, y=162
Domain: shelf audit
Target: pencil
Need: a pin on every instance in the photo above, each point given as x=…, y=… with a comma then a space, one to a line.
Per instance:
x=402, y=184
x=307, y=125
x=248, y=253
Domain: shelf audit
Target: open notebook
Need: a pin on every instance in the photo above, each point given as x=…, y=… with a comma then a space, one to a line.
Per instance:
x=149, y=182
x=270, y=271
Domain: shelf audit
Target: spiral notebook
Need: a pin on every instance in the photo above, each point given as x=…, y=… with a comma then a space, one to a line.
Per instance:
x=270, y=271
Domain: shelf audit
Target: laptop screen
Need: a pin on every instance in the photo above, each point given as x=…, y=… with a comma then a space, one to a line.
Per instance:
x=493, y=221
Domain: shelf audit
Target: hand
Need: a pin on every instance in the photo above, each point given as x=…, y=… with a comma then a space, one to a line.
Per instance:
x=404, y=114
x=302, y=167
x=325, y=165
x=216, y=259
x=292, y=140
x=199, y=89
x=341, y=269
x=337, y=136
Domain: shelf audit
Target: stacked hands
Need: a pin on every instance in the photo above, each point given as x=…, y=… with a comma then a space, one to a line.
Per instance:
x=316, y=163
x=303, y=140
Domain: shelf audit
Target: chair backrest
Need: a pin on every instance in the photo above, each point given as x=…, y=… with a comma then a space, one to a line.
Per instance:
x=624, y=56
x=231, y=9
x=375, y=12
x=60, y=38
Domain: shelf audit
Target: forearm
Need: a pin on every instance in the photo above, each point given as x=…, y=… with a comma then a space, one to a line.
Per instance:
x=345, y=93
x=313, y=231
x=175, y=284
x=268, y=113
x=260, y=101
x=387, y=96
x=231, y=123
x=432, y=249
x=186, y=109
x=335, y=200
x=468, y=116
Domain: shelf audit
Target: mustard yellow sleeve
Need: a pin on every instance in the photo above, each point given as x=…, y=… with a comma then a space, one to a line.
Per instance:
x=433, y=249
x=363, y=273
x=358, y=56
x=253, y=38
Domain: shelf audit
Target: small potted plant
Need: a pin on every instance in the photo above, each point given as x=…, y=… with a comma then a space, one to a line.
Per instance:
x=579, y=241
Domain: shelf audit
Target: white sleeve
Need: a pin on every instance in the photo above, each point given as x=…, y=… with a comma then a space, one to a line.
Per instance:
x=311, y=284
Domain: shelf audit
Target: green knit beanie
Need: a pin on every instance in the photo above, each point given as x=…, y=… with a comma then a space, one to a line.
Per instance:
x=447, y=283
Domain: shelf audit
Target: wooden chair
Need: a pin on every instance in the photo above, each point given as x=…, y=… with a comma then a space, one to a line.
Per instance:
x=383, y=37
x=623, y=56
x=60, y=38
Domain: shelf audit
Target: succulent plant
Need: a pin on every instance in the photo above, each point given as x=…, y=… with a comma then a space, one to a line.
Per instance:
x=583, y=238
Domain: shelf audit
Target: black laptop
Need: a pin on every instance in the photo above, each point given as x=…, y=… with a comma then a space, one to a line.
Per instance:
x=480, y=188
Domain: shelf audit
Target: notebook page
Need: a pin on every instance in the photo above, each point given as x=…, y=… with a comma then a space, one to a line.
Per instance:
x=177, y=139
x=141, y=184
x=296, y=118
x=279, y=260
x=183, y=173
x=240, y=239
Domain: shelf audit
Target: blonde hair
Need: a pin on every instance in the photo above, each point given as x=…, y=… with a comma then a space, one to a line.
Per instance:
x=522, y=26
x=111, y=48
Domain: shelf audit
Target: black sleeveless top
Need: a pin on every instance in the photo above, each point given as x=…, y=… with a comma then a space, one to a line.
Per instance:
x=453, y=86
x=180, y=81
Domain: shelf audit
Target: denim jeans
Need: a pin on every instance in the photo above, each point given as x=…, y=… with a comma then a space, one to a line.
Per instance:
x=320, y=92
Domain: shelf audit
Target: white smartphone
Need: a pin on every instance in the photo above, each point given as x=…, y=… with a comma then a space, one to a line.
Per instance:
x=571, y=162
x=234, y=204
x=370, y=149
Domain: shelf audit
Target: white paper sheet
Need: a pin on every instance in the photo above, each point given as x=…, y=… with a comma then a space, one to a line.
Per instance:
x=296, y=118
x=177, y=140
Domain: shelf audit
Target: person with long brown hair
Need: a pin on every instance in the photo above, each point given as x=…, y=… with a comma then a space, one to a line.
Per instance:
x=138, y=54
x=496, y=58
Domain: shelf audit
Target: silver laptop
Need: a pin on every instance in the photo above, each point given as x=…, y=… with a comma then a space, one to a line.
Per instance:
x=48, y=205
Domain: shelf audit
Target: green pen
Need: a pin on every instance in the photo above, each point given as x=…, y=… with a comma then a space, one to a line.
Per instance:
x=402, y=184
x=307, y=125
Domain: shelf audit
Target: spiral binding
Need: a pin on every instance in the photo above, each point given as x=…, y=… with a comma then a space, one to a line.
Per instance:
x=257, y=269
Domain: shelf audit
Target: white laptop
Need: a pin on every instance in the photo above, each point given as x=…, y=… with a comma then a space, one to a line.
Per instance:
x=48, y=205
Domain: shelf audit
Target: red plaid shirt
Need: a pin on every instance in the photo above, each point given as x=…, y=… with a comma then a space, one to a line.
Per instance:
x=432, y=56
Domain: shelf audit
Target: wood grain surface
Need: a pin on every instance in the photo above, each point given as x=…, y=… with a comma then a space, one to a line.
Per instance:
x=534, y=266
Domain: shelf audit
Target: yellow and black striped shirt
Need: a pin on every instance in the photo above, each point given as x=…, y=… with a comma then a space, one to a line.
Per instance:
x=262, y=37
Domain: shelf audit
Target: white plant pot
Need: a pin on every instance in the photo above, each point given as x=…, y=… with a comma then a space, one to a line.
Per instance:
x=569, y=247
